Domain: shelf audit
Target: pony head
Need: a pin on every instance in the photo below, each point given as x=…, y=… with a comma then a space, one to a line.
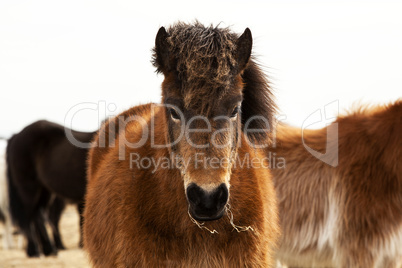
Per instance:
x=203, y=93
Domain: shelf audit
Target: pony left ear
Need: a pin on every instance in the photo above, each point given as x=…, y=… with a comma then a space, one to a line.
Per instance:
x=244, y=45
x=161, y=56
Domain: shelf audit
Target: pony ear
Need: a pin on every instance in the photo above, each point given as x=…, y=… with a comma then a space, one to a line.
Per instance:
x=161, y=51
x=244, y=45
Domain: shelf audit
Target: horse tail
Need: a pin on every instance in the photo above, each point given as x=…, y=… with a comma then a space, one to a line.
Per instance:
x=16, y=207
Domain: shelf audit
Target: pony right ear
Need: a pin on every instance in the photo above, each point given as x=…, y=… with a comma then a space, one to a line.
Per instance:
x=161, y=51
x=244, y=46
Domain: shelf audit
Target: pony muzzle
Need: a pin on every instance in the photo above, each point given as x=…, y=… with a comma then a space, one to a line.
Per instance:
x=207, y=205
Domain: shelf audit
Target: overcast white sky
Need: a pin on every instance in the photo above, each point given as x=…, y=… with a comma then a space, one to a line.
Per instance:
x=55, y=55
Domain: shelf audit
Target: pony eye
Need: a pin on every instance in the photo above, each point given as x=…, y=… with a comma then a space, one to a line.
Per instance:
x=235, y=112
x=175, y=116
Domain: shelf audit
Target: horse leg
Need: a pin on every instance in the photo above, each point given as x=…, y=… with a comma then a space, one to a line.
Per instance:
x=29, y=232
x=19, y=237
x=55, y=211
x=80, y=208
x=47, y=246
x=23, y=202
x=40, y=221
x=7, y=242
x=8, y=232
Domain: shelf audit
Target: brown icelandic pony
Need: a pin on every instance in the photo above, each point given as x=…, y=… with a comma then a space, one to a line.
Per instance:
x=345, y=214
x=184, y=213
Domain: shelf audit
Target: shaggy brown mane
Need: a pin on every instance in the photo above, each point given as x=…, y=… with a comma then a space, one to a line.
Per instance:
x=202, y=54
x=205, y=64
x=257, y=101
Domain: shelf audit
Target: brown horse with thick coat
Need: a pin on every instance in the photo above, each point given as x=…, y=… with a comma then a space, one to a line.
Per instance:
x=345, y=209
x=164, y=189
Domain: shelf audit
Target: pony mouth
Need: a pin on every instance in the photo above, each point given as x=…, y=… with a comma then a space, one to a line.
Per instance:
x=206, y=217
x=229, y=214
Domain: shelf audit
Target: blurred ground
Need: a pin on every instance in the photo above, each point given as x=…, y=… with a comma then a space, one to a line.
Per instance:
x=73, y=257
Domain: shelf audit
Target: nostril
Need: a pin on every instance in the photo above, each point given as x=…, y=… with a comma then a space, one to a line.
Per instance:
x=222, y=194
x=194, y=194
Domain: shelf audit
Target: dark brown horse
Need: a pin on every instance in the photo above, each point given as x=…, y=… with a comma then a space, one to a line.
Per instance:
x=164, y=190
x=44, y=171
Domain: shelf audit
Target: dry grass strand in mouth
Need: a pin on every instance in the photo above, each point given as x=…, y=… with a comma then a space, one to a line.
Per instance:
x=237, y=227
x=229, y=213
x=201, y=224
